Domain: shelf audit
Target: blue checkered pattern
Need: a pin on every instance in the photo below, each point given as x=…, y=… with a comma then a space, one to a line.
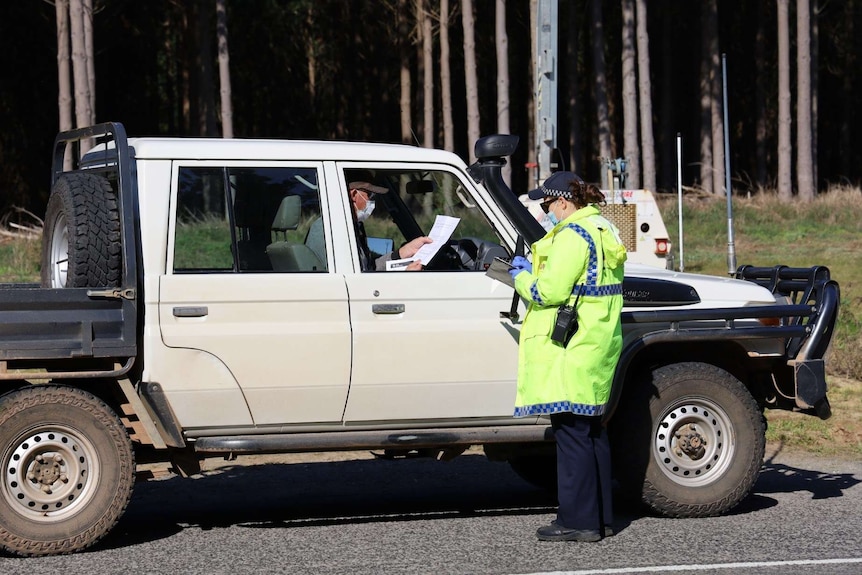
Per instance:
x=590, y=288
x=534, y=293
x=559, y=407
x=597, y=291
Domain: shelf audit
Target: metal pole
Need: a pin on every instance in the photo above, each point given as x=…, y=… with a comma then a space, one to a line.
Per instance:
x=546, y=85
x=679, y=192
x=731, y=249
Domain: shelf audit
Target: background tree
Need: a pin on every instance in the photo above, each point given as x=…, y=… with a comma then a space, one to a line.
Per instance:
x=716, y=111
x=84, y=113
x=426, y=32
x=804, y=159
x=708, y=45
x=502, y=51
x=224, y=71
x=471, y=76
x=64, y=83
x=630, y=103
x=645, y=97
x=446, y=79
x=784, y=149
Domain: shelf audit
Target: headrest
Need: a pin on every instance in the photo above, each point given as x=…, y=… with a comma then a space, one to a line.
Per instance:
x=287, y=216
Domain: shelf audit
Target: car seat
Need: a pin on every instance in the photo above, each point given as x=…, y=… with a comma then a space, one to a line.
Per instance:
x=285, y=255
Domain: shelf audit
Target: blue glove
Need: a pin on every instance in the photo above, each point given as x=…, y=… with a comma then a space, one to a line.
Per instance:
x=515, y=271
x=523, y=263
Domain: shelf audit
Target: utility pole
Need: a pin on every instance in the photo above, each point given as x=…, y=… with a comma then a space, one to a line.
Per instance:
x=546, y=87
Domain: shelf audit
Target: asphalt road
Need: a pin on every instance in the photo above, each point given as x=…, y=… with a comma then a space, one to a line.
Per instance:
x=472, y=516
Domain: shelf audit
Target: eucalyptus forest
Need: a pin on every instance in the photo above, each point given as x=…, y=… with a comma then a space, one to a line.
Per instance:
x=635, y=77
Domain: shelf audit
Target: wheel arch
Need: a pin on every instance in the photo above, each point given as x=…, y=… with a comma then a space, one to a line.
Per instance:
x=645, y=354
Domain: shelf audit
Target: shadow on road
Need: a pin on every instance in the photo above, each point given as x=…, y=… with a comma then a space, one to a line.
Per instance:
x=326, y=493
x=370, y=490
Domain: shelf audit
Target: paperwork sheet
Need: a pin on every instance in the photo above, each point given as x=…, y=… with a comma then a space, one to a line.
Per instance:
x=440, y=234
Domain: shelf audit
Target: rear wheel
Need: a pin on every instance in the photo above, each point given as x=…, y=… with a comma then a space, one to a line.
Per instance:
x=67, y=470
x=689, y=441
x=81, y=240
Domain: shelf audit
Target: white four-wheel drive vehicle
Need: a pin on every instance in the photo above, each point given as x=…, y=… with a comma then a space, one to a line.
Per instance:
x=205, y=297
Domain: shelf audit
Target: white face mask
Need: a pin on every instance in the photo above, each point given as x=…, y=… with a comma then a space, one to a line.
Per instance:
x=363, y=214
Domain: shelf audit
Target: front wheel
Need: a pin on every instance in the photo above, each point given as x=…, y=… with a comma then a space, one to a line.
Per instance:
x=67, y=470
x=689, y=440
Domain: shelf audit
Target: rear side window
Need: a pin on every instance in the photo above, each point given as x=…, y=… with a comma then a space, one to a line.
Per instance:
x=259, y=220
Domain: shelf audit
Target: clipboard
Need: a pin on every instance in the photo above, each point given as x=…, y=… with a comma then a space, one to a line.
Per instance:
x=499, y=270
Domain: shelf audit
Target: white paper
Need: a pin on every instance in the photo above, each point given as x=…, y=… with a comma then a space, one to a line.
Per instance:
x=443, y=228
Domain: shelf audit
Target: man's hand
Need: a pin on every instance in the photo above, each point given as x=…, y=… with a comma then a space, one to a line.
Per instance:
x=409, y=249
x=414, y=266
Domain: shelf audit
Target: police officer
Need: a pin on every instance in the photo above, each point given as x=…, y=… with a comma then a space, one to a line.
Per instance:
x=578, y=263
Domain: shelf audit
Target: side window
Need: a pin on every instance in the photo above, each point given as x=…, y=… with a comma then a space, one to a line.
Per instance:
x=252, y=220
x=203, y=233
x=408, y=208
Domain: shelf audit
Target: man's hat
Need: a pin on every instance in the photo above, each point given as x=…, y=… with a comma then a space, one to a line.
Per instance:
x=557, y=184
x=366, y=187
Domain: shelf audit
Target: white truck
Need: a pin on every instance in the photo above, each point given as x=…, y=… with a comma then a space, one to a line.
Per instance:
x=204, y=297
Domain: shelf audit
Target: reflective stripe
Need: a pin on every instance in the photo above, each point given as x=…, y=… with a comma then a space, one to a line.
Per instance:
x=593, y=262
x=597, y=291
x=559, y=407
x=534, y=293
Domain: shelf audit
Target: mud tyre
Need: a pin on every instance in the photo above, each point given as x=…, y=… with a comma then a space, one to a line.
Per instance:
x=81, y=245
x=688, y=441
x=67, y=470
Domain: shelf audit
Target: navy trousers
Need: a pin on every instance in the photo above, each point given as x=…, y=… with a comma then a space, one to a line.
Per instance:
x=583, y=472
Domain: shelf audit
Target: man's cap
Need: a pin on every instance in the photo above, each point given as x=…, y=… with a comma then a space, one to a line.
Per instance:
x=366, y=187
x=557, y=184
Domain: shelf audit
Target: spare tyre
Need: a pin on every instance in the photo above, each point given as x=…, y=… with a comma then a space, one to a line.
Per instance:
x=81, y=244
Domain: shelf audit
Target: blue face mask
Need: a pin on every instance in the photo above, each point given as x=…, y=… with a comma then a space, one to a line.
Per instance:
x=552, y=217
x=548, y=222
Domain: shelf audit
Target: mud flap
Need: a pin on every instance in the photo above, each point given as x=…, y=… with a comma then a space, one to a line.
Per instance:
x=810, y=378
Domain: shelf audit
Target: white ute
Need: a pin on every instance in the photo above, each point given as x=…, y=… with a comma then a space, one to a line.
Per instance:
x=205, y=298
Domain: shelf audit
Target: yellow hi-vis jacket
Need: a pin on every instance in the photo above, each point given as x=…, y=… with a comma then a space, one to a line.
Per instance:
x=581, y=255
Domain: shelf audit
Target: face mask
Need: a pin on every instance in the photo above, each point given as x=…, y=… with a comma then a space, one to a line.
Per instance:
x=548, y=221
x=553, y=219
x=363, y=214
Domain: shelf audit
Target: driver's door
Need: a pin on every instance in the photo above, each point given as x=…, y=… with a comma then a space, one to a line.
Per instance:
x=431, y=345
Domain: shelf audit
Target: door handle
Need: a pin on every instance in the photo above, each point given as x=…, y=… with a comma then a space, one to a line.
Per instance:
x=387, y=308
x=199, y=311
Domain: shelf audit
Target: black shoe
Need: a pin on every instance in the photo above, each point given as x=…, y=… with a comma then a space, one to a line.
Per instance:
x=554, y=532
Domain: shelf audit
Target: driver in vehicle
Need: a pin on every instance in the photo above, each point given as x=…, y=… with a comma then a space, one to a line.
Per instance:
x=362, y=196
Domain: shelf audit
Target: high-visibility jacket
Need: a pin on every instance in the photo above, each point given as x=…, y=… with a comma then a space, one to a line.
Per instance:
x=581, y=255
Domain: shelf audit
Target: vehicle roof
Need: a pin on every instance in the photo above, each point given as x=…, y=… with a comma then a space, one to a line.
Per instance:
x=261, y=149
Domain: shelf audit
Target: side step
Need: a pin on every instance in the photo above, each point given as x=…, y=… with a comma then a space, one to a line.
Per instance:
x=376, y=439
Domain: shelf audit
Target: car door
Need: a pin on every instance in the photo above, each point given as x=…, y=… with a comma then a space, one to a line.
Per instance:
x=254, y=321
x=430, y=346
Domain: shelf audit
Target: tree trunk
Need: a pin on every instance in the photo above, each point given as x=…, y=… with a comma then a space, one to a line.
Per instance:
x=706, y=48
x=91, y=60
x=64, y=82
x=532, y=160
x=83, y=113
x=406, y=87
x=427, y=74
x=645, y=84
x=716, y=108
x=502, y=46
x=224, y=70
x=446, y=79
x=815, y=88
x=784, y=190
x=762, y=123
x=470, y=76
x=804, y=168
x=600, y=80
x=630, y=98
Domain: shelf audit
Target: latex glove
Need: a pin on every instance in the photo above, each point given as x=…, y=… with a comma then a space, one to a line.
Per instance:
x=515, y=271
x=522, y=263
